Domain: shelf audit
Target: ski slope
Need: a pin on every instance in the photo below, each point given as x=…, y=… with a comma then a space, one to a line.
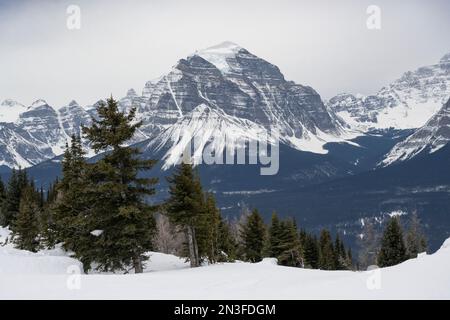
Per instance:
x=50, y=275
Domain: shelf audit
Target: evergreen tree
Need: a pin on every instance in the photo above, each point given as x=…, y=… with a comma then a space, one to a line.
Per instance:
x=339, y=254
x=326, y=251
x=415, y=239
x=368, y=245
x=124, y=220
x=2, y=200
x=47, y=223
x=290, y=247
x=226, y=243
x=26, y=229
x=207, y=229
x=253, y=235
x=185, y=207
x=52, y=190
x=10, y=207
x=71, y=205
x=393, y=249
x=310, y=251
x=275, y=246
x=349, y=259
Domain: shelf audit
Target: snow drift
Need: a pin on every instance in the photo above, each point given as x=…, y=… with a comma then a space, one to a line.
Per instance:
x=50, y=275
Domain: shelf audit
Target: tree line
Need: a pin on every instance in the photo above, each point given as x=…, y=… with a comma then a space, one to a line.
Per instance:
x=103, y=213
x=394, y=245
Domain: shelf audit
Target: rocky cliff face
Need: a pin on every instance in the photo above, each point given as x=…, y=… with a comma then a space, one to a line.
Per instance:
x=241, y=93
x=227, y=83
x=406, y=103
x=434, y=135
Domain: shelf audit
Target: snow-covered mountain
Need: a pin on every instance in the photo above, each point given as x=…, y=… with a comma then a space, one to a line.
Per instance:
x=434, y=135
x=231, y=89
x=226, y=90
x=36, y=133
x=10, y=110
x=406, y=103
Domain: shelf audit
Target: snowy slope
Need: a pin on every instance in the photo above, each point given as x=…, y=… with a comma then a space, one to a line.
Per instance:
x=407, y=102
x=434, y=135
x=39, y=276
x=10, y=110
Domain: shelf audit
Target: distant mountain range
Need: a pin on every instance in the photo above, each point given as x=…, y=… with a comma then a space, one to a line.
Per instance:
x=340, y=160
x=235, y=92
x=406, y=103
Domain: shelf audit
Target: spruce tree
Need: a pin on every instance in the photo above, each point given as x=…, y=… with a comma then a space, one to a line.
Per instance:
x=124, y=221
x=10, y=207
x=290, y=247
x=275, y=246
x=393, y=250
x=185, y=207
x=226, y=243
x=340, y=255
x=368, y=243
x=253, y=235
x=2, y=200
x=415, y=239
x=47, y=223
x=310, y=251
x=349, y=259
x=326, y=251
x=71, y=205
x=26, y=229
x=207, y=229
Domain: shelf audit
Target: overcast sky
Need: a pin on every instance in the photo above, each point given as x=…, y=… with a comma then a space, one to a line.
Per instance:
x=122, y=44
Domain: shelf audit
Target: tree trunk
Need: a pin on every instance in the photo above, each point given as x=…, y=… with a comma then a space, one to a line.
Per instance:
x=197, y=258
x=137, y=262
x=192, y=246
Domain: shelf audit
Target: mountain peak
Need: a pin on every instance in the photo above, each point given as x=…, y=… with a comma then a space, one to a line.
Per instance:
x=38, y=103
x=73, y=103
x=131, y=93
x=224, y=46
x=9, y=103
x=219, y=54
x=445, y=58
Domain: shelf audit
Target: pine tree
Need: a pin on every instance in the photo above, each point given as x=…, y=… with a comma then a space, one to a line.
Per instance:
x=253, y=235
x=71, y=205
x=10, y=207
x=207, y=229
x=349, y=259
x=310, y=251
x=290, y=247
x=393, y=249
x=415, y=239
x=26, y=229
x=339, y=254
x=226, y=243
x=2, y=200
x=326, y=251
x=124, y=220
x=368, y=245
x=275, y=247
x=185, y=206
x=47, y=225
